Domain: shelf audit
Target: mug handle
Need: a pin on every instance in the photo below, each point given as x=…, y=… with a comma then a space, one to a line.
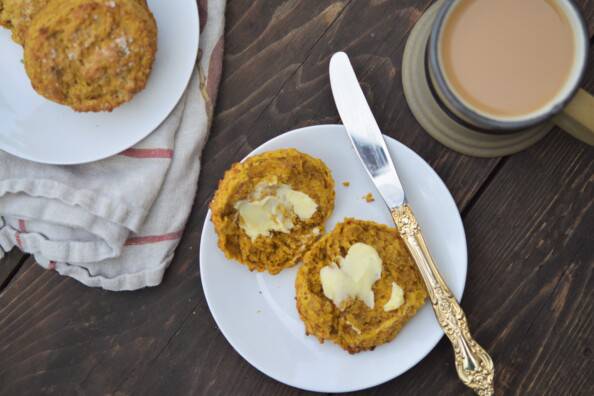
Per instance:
x=577, y=118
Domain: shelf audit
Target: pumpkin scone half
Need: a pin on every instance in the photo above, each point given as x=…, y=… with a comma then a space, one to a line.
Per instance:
x=269, y=209
x=358, y=286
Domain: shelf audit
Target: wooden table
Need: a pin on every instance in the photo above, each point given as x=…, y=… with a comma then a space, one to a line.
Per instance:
x=529, y=221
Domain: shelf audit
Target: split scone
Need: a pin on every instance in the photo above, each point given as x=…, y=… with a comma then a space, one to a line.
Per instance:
x=269, y=209
x=91, y=55
x=358, y=286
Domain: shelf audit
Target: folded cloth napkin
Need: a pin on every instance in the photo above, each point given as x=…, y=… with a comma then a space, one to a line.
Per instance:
x=115, y=223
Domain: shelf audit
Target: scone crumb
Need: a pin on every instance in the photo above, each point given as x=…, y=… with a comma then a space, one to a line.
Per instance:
x=346, y=183
x=368, y=197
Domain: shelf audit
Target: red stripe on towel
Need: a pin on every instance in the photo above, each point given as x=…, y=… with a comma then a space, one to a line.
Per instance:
x=22, y=227
x=148, y=153
x=143, y=240
x=18, y=240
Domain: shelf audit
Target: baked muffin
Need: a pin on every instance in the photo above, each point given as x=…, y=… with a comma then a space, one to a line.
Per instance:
x=269, y=209
x=20, y=13
x=372, y=260
x=91, y=55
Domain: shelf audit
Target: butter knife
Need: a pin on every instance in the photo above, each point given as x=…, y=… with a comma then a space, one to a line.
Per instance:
x=473, y=363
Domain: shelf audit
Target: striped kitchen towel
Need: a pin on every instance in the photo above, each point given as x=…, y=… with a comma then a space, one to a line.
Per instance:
x=115, y=223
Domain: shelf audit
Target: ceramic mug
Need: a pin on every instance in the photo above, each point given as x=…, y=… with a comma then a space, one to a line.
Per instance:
x=572, y=109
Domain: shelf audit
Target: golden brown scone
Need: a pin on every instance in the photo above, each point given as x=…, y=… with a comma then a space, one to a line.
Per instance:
x=357, y=327
x=279, y=250
x=21, y=13
x=91, y=55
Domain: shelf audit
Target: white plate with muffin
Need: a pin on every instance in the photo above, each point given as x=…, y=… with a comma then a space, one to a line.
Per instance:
x=82, y=80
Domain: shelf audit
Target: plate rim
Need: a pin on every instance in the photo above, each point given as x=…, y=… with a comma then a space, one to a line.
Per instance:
x=170, y=108
x=390, y=377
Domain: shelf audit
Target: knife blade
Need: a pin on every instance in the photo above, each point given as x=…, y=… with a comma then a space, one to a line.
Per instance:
x=363, y=130
x=474, y=365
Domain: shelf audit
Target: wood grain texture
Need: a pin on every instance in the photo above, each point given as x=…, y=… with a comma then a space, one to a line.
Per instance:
x=529, y=294
x=9, y=265
x=533, y=270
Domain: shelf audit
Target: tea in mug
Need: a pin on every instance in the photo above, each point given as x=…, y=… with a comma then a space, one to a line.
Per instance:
x=507, y=58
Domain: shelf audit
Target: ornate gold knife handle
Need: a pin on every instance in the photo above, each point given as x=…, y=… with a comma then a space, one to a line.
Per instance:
x=473, y=363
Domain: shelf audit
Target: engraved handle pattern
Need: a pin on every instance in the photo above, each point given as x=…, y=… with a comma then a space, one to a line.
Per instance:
x=473, y=363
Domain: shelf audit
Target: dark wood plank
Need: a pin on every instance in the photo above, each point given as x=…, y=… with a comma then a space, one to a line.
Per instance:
x=9, y=265
x=537, y=244
x=65, y=338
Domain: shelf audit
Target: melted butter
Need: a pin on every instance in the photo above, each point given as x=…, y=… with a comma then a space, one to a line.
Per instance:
x=396, y=299
x=300, y=202
x=260, y=216
x=355, y=276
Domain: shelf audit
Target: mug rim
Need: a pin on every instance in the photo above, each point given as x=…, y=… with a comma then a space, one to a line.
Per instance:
x=491, y=122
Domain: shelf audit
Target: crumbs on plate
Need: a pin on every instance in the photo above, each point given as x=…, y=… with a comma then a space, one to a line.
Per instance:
x=346, y=183
x=368, y=197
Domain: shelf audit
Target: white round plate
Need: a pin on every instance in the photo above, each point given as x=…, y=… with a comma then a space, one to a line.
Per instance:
x=256, y=312
x=37, y=129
